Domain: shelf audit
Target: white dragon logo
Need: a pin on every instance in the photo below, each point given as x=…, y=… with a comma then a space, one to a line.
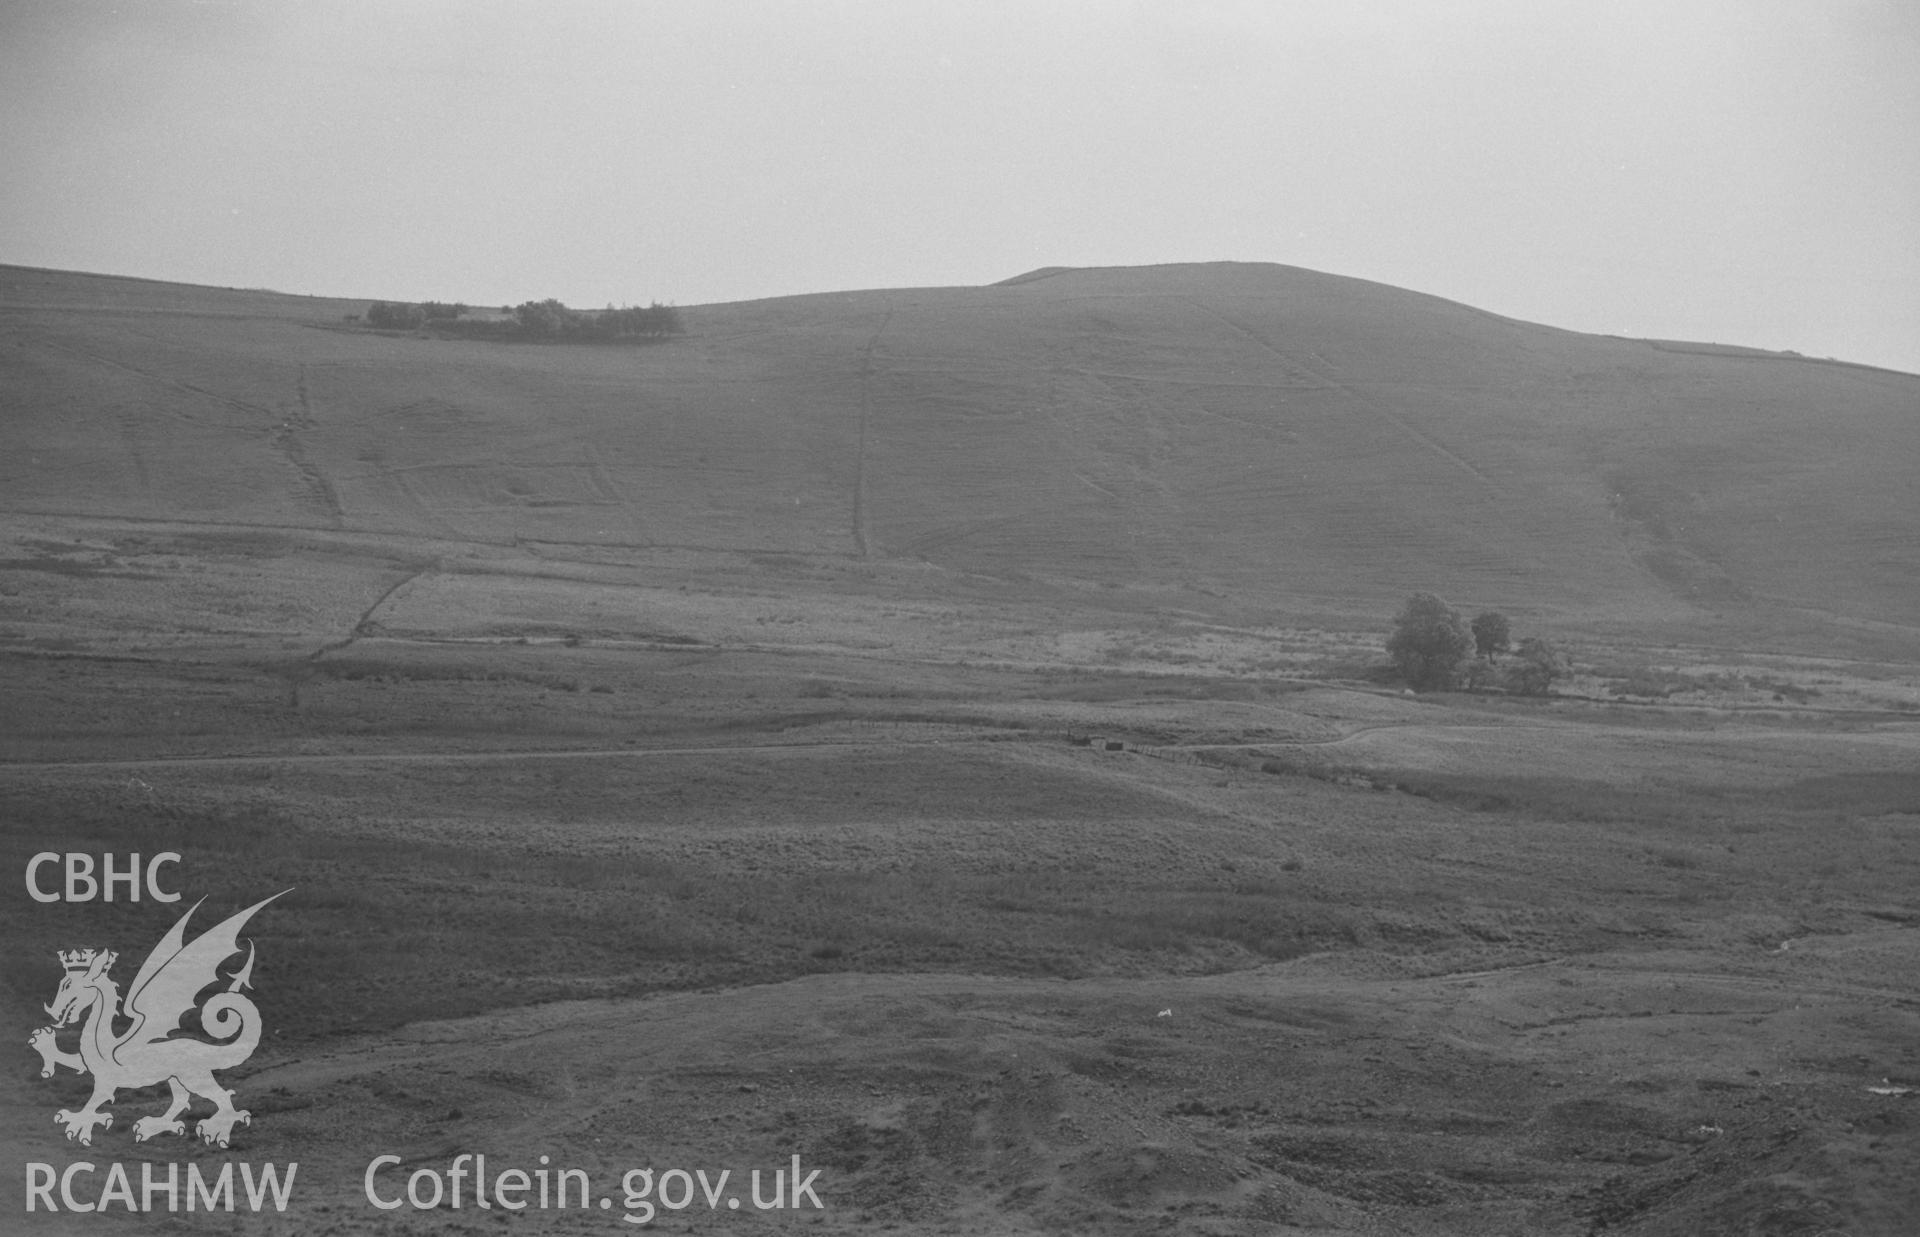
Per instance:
x=146, y=1052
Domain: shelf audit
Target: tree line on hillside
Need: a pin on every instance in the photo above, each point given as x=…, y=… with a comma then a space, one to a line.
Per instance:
x=1434, y=649
x=544, y=321
x=402, y=316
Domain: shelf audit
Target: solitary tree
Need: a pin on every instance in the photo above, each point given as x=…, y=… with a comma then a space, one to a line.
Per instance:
x=1491, y=634
x=1428, y=643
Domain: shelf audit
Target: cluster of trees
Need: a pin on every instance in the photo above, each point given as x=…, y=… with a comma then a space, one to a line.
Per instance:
x=1433, y=648
x=547, y=320
x=408, y=316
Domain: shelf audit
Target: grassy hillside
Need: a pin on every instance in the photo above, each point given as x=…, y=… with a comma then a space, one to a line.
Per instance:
x=1206, y=437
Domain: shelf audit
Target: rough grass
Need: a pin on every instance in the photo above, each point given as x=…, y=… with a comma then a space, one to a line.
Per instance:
x=1207, y=420
x=425, y=892
x=384, y=931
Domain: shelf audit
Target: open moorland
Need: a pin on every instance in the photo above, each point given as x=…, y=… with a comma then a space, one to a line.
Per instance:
x=943, y=734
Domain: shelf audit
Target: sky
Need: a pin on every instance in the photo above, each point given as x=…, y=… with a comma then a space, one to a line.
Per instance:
x=1738, y=171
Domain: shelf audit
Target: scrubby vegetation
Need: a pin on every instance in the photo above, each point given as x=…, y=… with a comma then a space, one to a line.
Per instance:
x=405, y=316
x=1539, y=665
x=1634, y=680
x=547, y=321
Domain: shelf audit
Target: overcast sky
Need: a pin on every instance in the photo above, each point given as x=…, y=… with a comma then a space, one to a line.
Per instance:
x=1745, y=171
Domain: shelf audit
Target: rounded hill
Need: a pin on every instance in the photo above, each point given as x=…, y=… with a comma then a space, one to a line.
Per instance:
x=1260, y=433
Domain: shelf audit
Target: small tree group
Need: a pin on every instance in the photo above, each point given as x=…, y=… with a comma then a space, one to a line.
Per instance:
x=549, y=319
x=1433, y=649
x=408, y=316
x=395, y=316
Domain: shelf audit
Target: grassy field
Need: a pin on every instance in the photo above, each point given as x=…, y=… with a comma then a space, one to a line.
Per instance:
x=1338, y=867
x=943, y=734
